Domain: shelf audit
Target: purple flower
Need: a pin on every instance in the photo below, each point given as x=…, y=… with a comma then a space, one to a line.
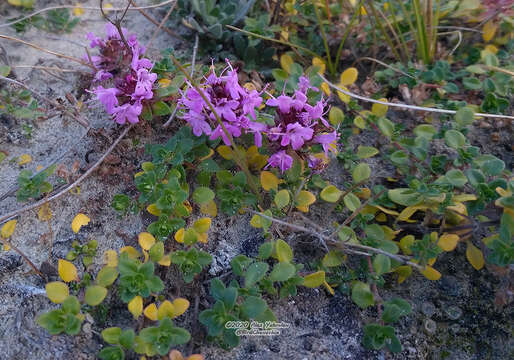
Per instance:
x=316, y=112
x=198, y=123
x=280, y=160
x=326, y=140
x=296, y=134
x=144, y=85
x=283, y=102
x=250, y=102
x=258, y=129
x=102, y=75
x=94, y=40
x=127, y=112
x=107, y=97
x=304, y=85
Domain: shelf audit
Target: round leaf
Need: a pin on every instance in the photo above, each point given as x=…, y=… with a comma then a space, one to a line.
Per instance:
x=282, y=198
x=203, y=195
x=361, y=173
x=67, y=271
x=454, y=139
x=349, y=76
x=57, y=291
x=95, y=294
x=331, y=194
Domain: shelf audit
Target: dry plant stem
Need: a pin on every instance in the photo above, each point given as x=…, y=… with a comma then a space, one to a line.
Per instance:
x=155, y=22
x=310, y=52
x=338, y=244
x=83, y=8
x=117, y=22
x=47, y=51
x=164, y=19
x=174, y=113
x=405, y=106
x=356, y=212
x=51, y=102
x=324, y=37
x=50, y=68
x=383, y=64
x=237, y=156
x=27, y=260
x=37, y=204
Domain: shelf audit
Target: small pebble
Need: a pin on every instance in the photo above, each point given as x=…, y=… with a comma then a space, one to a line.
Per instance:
x=430, y=326
x=454, y=312
x=428, y=309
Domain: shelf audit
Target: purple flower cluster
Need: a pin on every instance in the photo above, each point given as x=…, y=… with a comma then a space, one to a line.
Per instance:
x=234, y=104
x=123, y=65
x=297, y=124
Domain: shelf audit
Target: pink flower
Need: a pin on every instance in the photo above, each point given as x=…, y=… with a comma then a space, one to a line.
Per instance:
x=145, y=80
x=198, y=123
x=283, y=102
x=296, y=134
x=326, y=140
x=127, y=112
x=107, y=97
x=250, y=102
x=280, y=160
x=304, y=85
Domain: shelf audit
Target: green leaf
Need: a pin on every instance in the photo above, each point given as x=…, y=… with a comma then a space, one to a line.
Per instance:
x=493, y=167
x=95, y=294
x=386, y=126
x=282, y=198
x=361, y=173
x=111, y=335
x=425, y=131
x=253, y=307
x=352, y=202
x=465, y=116
x=472, y=83
x=333, y=258
x=361, y=294
x=106, y=276
x=454, y=139
x=71, y=305
x=283, y=251
x=255, y=273
x=160, y=108
x=157, y=250
x=381, y=264
x=203, y=195
x=364, y=152
x=330, y=194
x=127, y=338
x=394, y=309
x=335, y=116
x=282, y=271
x=456, y=177
x=112, y=353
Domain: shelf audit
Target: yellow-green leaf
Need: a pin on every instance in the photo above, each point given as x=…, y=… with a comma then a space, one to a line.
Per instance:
x=57, y=291
x=131, y=252
x=152, y=209
x=67, y=271
x=151, y=312
x=403, y=272
x=180, y=305
x=448, y=242
x=111, y=258
x=316, y=61
x=135, y=306
x=146, y=240
x=352, y=202
x=225, y=152
x=283, y=251
x=209, y=208
x=305, y=198
x=24, y=159
x=78, y=10
x=165, y=260
x=282, y=198
x=361, y=172
x=78, y=221
x=359, y=122
x=331, y=194
x=44, y=213
x=202, y=225
x=269, y=181
x=179, y=235
x=8, y=229
x=379, y=110
x=474, y=256
x=285, y=62
x=314, y=280
x=166, y=309
x=95, y=294
x=430, y=273
x=335, y=116
x=489, y=30
x=409, y=211
x=405, y=244
x=349, y=76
